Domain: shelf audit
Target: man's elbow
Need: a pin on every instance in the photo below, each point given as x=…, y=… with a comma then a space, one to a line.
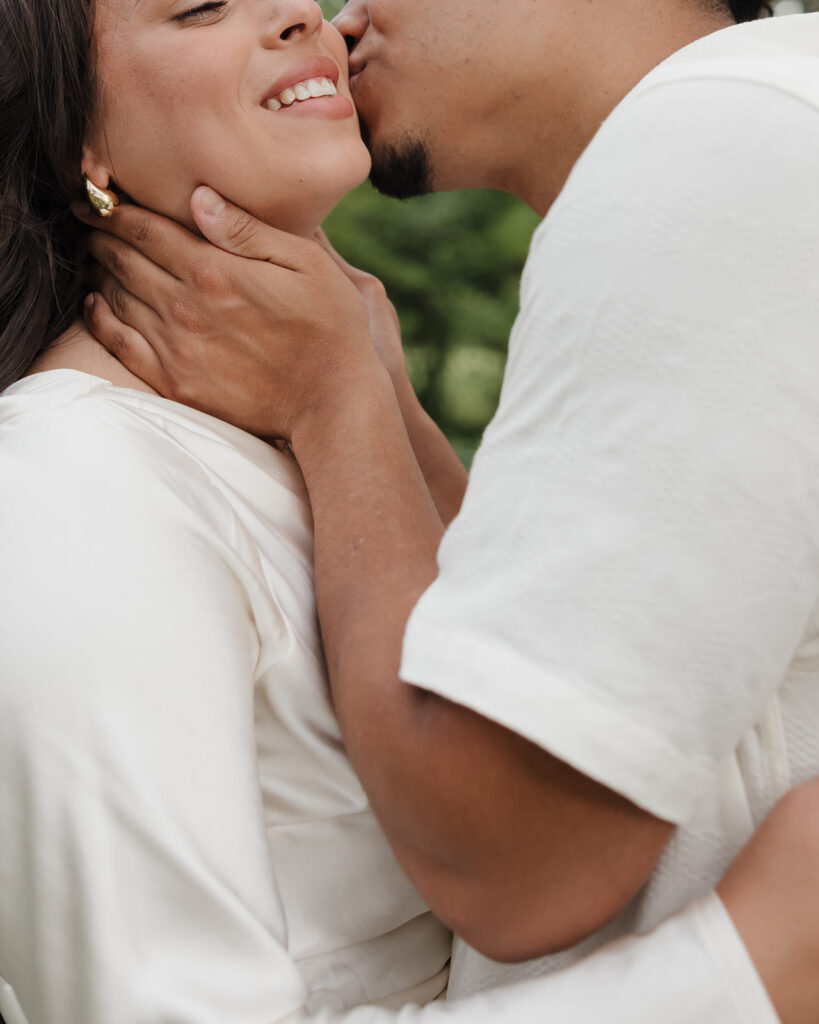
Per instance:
x=511, y=932
x=513, y=912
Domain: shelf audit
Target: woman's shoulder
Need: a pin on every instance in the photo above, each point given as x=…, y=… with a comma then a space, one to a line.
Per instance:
x=76, y=465
x=61, y=424
x=141, y=495
x=84, y=433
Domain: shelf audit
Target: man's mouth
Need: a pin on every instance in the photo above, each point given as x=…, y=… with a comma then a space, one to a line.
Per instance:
x=354, y=71
x=309, y=89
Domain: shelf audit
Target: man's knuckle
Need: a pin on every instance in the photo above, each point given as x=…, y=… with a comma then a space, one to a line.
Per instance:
x=140, y=228
x=241, y=230
x=118, y=302
x=117, y=261
x=120, y=344
x=373, y=287
x=208, y=277
x=185, y=317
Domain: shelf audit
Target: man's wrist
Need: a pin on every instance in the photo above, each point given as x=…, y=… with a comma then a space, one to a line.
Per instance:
x=355, y=402
x=409, y=403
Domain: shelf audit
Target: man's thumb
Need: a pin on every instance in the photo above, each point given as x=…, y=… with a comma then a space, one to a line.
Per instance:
x=227, y=226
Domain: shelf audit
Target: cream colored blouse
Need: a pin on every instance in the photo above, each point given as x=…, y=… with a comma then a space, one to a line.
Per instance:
x=182, y=837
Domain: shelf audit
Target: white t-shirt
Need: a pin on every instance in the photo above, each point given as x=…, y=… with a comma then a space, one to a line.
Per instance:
x=181, y=834
x=633, y=580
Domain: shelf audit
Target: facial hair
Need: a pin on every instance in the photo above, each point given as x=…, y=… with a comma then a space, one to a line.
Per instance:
x=401, y=167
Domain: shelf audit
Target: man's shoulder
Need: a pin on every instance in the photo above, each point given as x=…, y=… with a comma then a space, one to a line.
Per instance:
x=709, y=161
x=753, y=86
x=780, y=53
x=739, y=103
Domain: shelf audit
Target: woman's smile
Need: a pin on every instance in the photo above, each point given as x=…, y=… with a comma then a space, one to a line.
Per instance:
x=310, y=89
x=180, y=96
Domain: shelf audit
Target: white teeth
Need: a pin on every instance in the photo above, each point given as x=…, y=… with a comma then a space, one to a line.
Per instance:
x=310, y=88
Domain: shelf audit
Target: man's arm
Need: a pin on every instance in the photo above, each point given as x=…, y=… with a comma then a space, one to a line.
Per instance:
x=513, y=848
x=443, y=471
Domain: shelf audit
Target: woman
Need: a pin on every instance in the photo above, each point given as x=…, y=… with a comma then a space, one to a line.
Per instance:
x=181, y=835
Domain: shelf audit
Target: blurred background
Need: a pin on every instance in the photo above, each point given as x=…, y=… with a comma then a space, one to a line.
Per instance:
x=451, y=264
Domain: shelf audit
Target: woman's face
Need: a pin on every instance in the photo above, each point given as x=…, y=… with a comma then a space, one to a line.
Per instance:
x=193, y=93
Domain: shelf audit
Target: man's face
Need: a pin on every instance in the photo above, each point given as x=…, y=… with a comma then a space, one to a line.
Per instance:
x=426, y=78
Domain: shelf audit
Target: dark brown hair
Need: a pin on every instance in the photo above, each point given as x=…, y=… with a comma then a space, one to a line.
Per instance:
x=46, y=95
x=749, y=10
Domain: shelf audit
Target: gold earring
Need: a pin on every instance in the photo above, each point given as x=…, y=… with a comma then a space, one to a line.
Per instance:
x=102, y=201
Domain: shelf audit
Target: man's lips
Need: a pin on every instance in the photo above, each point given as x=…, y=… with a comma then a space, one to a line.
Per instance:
x=356, y=65
x=356, y=79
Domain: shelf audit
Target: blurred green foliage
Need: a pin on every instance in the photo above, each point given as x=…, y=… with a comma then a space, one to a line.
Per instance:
x=451, y=264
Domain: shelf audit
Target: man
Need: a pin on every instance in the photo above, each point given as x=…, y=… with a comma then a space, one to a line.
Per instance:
x=614, y=667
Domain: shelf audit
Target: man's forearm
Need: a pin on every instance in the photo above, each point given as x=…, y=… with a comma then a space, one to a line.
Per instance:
x=501, y=839
x=444, y=473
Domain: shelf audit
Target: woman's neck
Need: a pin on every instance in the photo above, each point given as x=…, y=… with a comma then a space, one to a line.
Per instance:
x=76, y=349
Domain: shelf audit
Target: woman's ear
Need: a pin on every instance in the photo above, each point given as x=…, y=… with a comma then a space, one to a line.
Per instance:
x=97, y=180
x=95, y=168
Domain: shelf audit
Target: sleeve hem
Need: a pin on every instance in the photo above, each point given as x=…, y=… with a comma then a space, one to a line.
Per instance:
x=724, y=945
x=596, y=740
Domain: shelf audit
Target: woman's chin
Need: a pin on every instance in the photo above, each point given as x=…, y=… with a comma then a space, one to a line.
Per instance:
x=299, y=210
x=305, y=216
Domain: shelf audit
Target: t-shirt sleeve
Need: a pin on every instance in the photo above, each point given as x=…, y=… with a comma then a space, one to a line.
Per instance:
x=135, y=880
x=635, y=564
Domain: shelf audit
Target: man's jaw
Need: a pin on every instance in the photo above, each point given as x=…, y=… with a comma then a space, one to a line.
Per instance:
x=400, y=165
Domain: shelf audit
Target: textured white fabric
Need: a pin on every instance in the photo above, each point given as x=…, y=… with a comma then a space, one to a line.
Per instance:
x=633, y=580
x=181, y=835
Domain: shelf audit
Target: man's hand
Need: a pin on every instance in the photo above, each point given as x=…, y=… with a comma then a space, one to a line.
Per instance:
x=255, y=331
x=256, y=328
x=385, y=329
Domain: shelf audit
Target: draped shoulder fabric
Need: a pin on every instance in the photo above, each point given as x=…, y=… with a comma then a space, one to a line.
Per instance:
x=181, y=833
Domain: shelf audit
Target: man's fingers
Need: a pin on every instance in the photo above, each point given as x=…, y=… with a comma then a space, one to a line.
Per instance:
x=321, y=238
x=360, y=278
x=135, y=272
x=238, y=232
x=163, y=241
x=127, y=308
x=122, y=341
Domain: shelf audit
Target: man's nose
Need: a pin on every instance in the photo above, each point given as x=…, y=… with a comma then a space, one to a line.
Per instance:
x=290, y=20
x=352, y=21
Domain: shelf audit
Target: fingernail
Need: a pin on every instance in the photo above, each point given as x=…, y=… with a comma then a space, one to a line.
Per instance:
x=211, y=202
x=88, y=304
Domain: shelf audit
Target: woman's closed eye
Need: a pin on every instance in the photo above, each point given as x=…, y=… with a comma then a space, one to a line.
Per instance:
x=201, y=12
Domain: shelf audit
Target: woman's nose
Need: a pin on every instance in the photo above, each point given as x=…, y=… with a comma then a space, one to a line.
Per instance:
x=352, y=21
x=290, y=20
